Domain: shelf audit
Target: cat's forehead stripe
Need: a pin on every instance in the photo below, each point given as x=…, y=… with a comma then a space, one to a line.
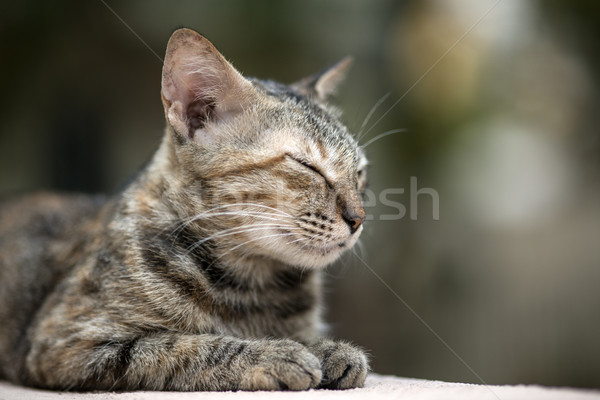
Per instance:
x=250, y=167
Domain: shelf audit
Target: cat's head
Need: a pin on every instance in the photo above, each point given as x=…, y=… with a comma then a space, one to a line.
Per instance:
x=268, y=169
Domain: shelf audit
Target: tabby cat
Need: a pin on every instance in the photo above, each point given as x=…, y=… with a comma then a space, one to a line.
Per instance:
x=205, y=272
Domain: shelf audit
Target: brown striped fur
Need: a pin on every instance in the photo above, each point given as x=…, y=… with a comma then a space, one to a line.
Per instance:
x=205, y=272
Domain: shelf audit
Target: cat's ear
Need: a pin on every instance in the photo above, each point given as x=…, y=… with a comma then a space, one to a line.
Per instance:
x=325, y=83
x=199, y=84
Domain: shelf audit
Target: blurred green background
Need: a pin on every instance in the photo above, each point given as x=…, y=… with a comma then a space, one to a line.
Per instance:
x=505, y=128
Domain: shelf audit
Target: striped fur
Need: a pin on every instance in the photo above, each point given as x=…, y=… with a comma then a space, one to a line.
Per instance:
x=205, y=273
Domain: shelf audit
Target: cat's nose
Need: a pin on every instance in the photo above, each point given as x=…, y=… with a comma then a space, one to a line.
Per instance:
x=354, y=217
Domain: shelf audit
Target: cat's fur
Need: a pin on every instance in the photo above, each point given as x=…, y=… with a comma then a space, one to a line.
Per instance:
x=204, y=274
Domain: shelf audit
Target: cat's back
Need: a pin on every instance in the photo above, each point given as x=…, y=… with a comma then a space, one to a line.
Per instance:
x=30, y=224
x=38, y=235
x=36, y=231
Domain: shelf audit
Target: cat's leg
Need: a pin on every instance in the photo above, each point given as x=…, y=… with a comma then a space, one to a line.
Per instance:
x=344, y=365
x=172, y=361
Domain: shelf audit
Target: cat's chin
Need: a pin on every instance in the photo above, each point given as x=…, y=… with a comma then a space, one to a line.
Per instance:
x=316, y=256
x=313, y=259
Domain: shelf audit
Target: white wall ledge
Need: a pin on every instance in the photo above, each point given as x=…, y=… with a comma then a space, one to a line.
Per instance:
x=376, y=387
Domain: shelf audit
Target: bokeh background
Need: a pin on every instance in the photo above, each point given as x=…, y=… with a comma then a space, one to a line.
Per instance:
x=504, y=127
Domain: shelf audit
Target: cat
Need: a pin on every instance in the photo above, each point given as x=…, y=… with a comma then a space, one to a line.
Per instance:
x=205, y=272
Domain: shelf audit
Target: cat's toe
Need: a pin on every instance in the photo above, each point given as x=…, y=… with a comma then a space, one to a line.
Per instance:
x=344, y=367
x=283, y=365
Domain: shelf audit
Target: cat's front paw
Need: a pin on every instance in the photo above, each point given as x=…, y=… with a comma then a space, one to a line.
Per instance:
x=344, y=366
x=282, y=365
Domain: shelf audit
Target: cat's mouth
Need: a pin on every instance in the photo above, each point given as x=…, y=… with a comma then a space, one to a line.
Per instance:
x=307, y=250
x=320, y=246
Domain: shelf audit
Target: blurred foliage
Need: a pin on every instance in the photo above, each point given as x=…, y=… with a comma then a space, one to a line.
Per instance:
x=504, y=126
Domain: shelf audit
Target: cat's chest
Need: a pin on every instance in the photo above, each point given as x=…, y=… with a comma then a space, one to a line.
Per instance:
x=271, y=313
x=301, y=327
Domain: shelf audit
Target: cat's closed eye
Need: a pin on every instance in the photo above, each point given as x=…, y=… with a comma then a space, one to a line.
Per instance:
x=311, y=167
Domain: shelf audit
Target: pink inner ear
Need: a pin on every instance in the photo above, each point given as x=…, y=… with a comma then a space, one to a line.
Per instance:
x=189, y=83
x=196, y=82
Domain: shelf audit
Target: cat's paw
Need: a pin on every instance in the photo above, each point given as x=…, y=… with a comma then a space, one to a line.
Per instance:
x=282, y=365
x=344, y=366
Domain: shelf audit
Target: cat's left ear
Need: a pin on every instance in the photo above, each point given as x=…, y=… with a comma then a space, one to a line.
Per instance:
x=200, y=86
x=325, y=83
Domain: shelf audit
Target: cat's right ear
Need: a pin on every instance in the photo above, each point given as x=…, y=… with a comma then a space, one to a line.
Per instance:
x=325, y=83
x=199, y=85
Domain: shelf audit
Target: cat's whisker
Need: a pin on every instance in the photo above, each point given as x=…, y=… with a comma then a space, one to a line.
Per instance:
x=250, y=227
x=300, y=239
x=250, y=241
x=361, y=248
x=272, y=217
x=297, y=240
x=306, y=240
x=370, y=114
x=239, y=230
x=382, y=135
x=266, y=216
x=210, y=212
x=250, y=205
